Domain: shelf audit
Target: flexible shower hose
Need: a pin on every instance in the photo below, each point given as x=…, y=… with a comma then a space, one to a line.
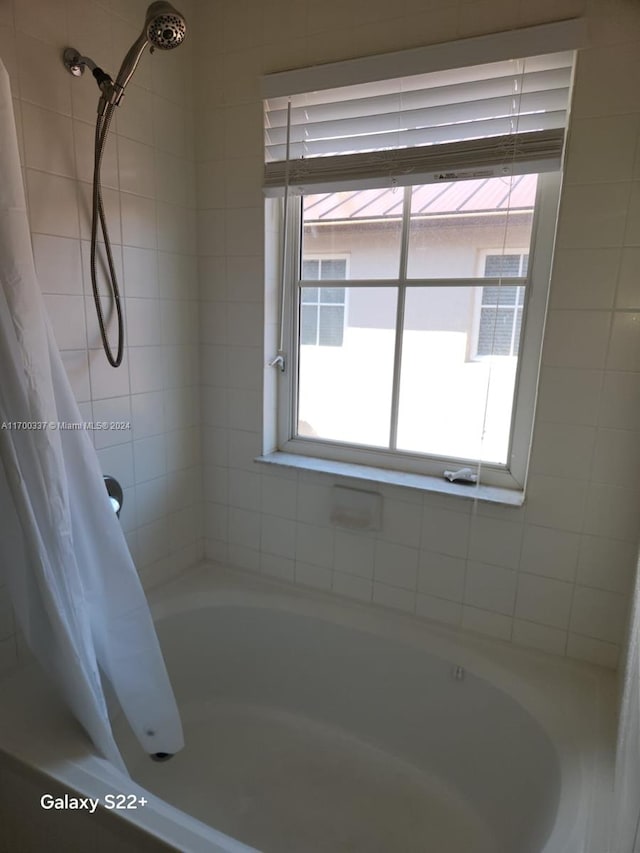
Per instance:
x=103, y=122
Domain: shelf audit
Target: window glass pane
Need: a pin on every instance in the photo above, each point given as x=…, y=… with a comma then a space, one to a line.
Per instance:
x=332, y=294
x=505, y=295
x=363, y=226
x=331, y=326
x=311, y=270
x=496, y=333
x=505, y=265
x=308, y=324
x=453, y=225
x=333, y=268
x=310, y=294
x=344, y=383
x=449, y=404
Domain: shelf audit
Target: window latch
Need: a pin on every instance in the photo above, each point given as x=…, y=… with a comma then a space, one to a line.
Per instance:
x=463, y=475
x=278, y=361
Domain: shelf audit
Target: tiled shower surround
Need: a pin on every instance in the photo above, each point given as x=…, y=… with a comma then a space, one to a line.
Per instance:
x=552, y=575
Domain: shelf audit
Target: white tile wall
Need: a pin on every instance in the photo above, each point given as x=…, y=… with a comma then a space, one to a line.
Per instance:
x=553, y=575
x=161, y=477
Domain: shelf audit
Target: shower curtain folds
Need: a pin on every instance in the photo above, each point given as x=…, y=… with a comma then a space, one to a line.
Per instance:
x=63, y=556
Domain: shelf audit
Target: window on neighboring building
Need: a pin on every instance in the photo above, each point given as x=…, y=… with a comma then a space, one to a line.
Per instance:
x=501, y=307
x=322, y=309
x=435, y=362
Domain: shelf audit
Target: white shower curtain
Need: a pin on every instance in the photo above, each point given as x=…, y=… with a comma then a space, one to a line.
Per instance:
x=63, y=555
x=626, y=817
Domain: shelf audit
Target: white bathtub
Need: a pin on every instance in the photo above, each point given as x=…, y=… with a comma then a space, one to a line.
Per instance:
x=316, y=726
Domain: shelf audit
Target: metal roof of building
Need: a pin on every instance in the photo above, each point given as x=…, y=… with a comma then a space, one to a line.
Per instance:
x=488, y=195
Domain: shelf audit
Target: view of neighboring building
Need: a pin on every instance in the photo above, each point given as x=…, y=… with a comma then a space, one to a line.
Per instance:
x=457, y=235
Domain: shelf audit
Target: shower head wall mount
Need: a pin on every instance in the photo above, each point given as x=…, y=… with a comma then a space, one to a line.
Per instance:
x=164, y=28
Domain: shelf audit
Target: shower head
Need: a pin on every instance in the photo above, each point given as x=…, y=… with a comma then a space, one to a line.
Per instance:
x=165, y=27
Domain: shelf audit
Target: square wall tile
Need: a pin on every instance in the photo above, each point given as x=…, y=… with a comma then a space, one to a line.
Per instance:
x=576, y=339
x=599, y=614
x=601, y=148
x=624, y=347
x=278, y=495
x=612, y=511
x=401, y=523
x=115, y=415
x=244, y=557
x=314, y=545
x=562, y=450
x=584, y=278
x=592, y=216
x=551, y=553
x=620, y=395
x=150, y=457
x=544, y=600
x=277, y=567
x=445, y=532
x=244, y=490
x=140, y=272
x=314, y=502
x=354, y=554
x=244, y=528
x=396, y=565
x=490, y=587
x=147, y=413
x=351, y=586
x=393, y=597
x=313, y=576
x=569, y=395
x=556, y=502
x=278, y=536
x=483, y=622
x=607, y=564
x=441, y=576
x=495, y=541
x=58, y=264
x=628, y=293
x=67, y=319
x=616, y=459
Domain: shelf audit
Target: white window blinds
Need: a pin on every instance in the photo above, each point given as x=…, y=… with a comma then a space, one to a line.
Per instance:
x=475, y=121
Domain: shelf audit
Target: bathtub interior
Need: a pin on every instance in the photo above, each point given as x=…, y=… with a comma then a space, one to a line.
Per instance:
x=306, y=734
x=287, y=694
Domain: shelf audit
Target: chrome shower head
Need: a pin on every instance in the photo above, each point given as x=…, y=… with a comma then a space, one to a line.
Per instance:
x=165, y=26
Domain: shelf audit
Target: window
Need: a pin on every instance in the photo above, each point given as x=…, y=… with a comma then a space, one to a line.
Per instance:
x=322, y=309
x=402, y=381
x=434, y=365
x=501, y=308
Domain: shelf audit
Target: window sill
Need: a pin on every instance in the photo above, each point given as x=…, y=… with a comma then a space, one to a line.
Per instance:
x=420, y=482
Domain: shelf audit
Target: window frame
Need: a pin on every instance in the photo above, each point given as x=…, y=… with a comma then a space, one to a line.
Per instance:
x=510, y=476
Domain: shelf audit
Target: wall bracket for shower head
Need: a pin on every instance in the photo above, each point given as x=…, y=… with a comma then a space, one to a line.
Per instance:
x=164, y=28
